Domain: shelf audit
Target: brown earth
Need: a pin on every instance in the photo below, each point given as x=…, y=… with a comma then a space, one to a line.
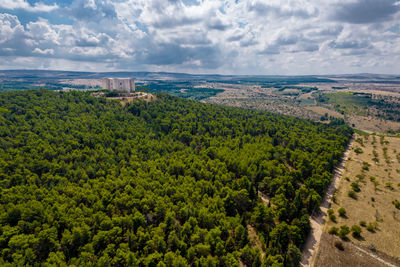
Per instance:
x=373, y=205
x=355, y=256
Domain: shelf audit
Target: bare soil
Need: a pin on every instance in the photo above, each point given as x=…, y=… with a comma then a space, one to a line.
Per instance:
x=373, y=124
x=355, y=256
x=322, y=110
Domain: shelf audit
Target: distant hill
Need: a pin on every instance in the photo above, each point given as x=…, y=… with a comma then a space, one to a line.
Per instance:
x=145, y=75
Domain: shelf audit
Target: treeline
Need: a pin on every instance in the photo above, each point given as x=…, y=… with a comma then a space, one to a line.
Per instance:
x=85, y=181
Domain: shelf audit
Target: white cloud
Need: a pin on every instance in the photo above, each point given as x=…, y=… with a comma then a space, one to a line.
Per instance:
x=48, y=51
x=22, y=4
x=223, y=36
x=9, y=26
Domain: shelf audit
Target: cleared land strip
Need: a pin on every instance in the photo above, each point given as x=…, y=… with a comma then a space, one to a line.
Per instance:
x=374, y=256
x=317, y=220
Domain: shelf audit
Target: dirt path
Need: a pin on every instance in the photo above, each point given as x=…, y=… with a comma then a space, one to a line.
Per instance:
x=254, y=240
x=265, y=199
x=317, y=220
x=374, y=256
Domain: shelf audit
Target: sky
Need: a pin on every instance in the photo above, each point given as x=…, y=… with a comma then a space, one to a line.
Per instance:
x=268, y=37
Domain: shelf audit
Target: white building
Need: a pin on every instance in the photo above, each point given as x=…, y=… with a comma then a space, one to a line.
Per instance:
x=120, y=84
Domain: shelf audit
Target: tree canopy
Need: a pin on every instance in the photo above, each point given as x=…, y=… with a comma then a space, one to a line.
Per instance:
x=173, y=182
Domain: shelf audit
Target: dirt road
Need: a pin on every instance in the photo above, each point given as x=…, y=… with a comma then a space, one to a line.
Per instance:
x=317, y=220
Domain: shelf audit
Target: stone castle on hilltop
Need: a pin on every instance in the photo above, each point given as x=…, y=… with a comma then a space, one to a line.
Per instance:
x=120, y=84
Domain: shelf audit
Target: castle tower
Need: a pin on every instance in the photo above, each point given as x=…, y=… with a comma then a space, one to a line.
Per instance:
x=119, y=84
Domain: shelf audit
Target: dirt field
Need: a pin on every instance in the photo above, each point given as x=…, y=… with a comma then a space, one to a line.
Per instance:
x=372, y=124
x=351, y=255
x=372, y=169
x=268, y=99
x=306, y=105
x=322, y=110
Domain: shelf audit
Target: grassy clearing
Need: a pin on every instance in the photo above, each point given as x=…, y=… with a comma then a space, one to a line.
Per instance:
x=369, y=192
x=349, y=103
x=322, y=111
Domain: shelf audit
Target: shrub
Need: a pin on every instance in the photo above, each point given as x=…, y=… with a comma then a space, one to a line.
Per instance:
x=352, y=194
x=342, y=212
x=344, y=231
x=360, y=177
x=333, y=230
x=373, y=179
x=389, y=185
x=365, y=166
x=335, y=200
x=363, y=223
x=331, y=215
x=360, y=141
x=358, y=151
x=356, y=231
x=355, y=187
x=339, y=245
x=372, y=226
x=376, y=156
x=396, y=203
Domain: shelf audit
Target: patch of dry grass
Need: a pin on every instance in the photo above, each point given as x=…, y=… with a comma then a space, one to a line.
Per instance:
x=270, y=99
x=373, y=124
x=322, y=110
x=334, y=252
x=373, y=177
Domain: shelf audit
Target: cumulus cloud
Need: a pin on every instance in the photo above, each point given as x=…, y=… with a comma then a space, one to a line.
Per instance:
x=349, y=44
x=48, y=51
x=90, y=11
x=22, y=4
x=365, y=11
x=216, y=36
x=283, y=9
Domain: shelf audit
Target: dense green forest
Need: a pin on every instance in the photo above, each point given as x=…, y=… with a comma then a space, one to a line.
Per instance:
x=174, y=182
